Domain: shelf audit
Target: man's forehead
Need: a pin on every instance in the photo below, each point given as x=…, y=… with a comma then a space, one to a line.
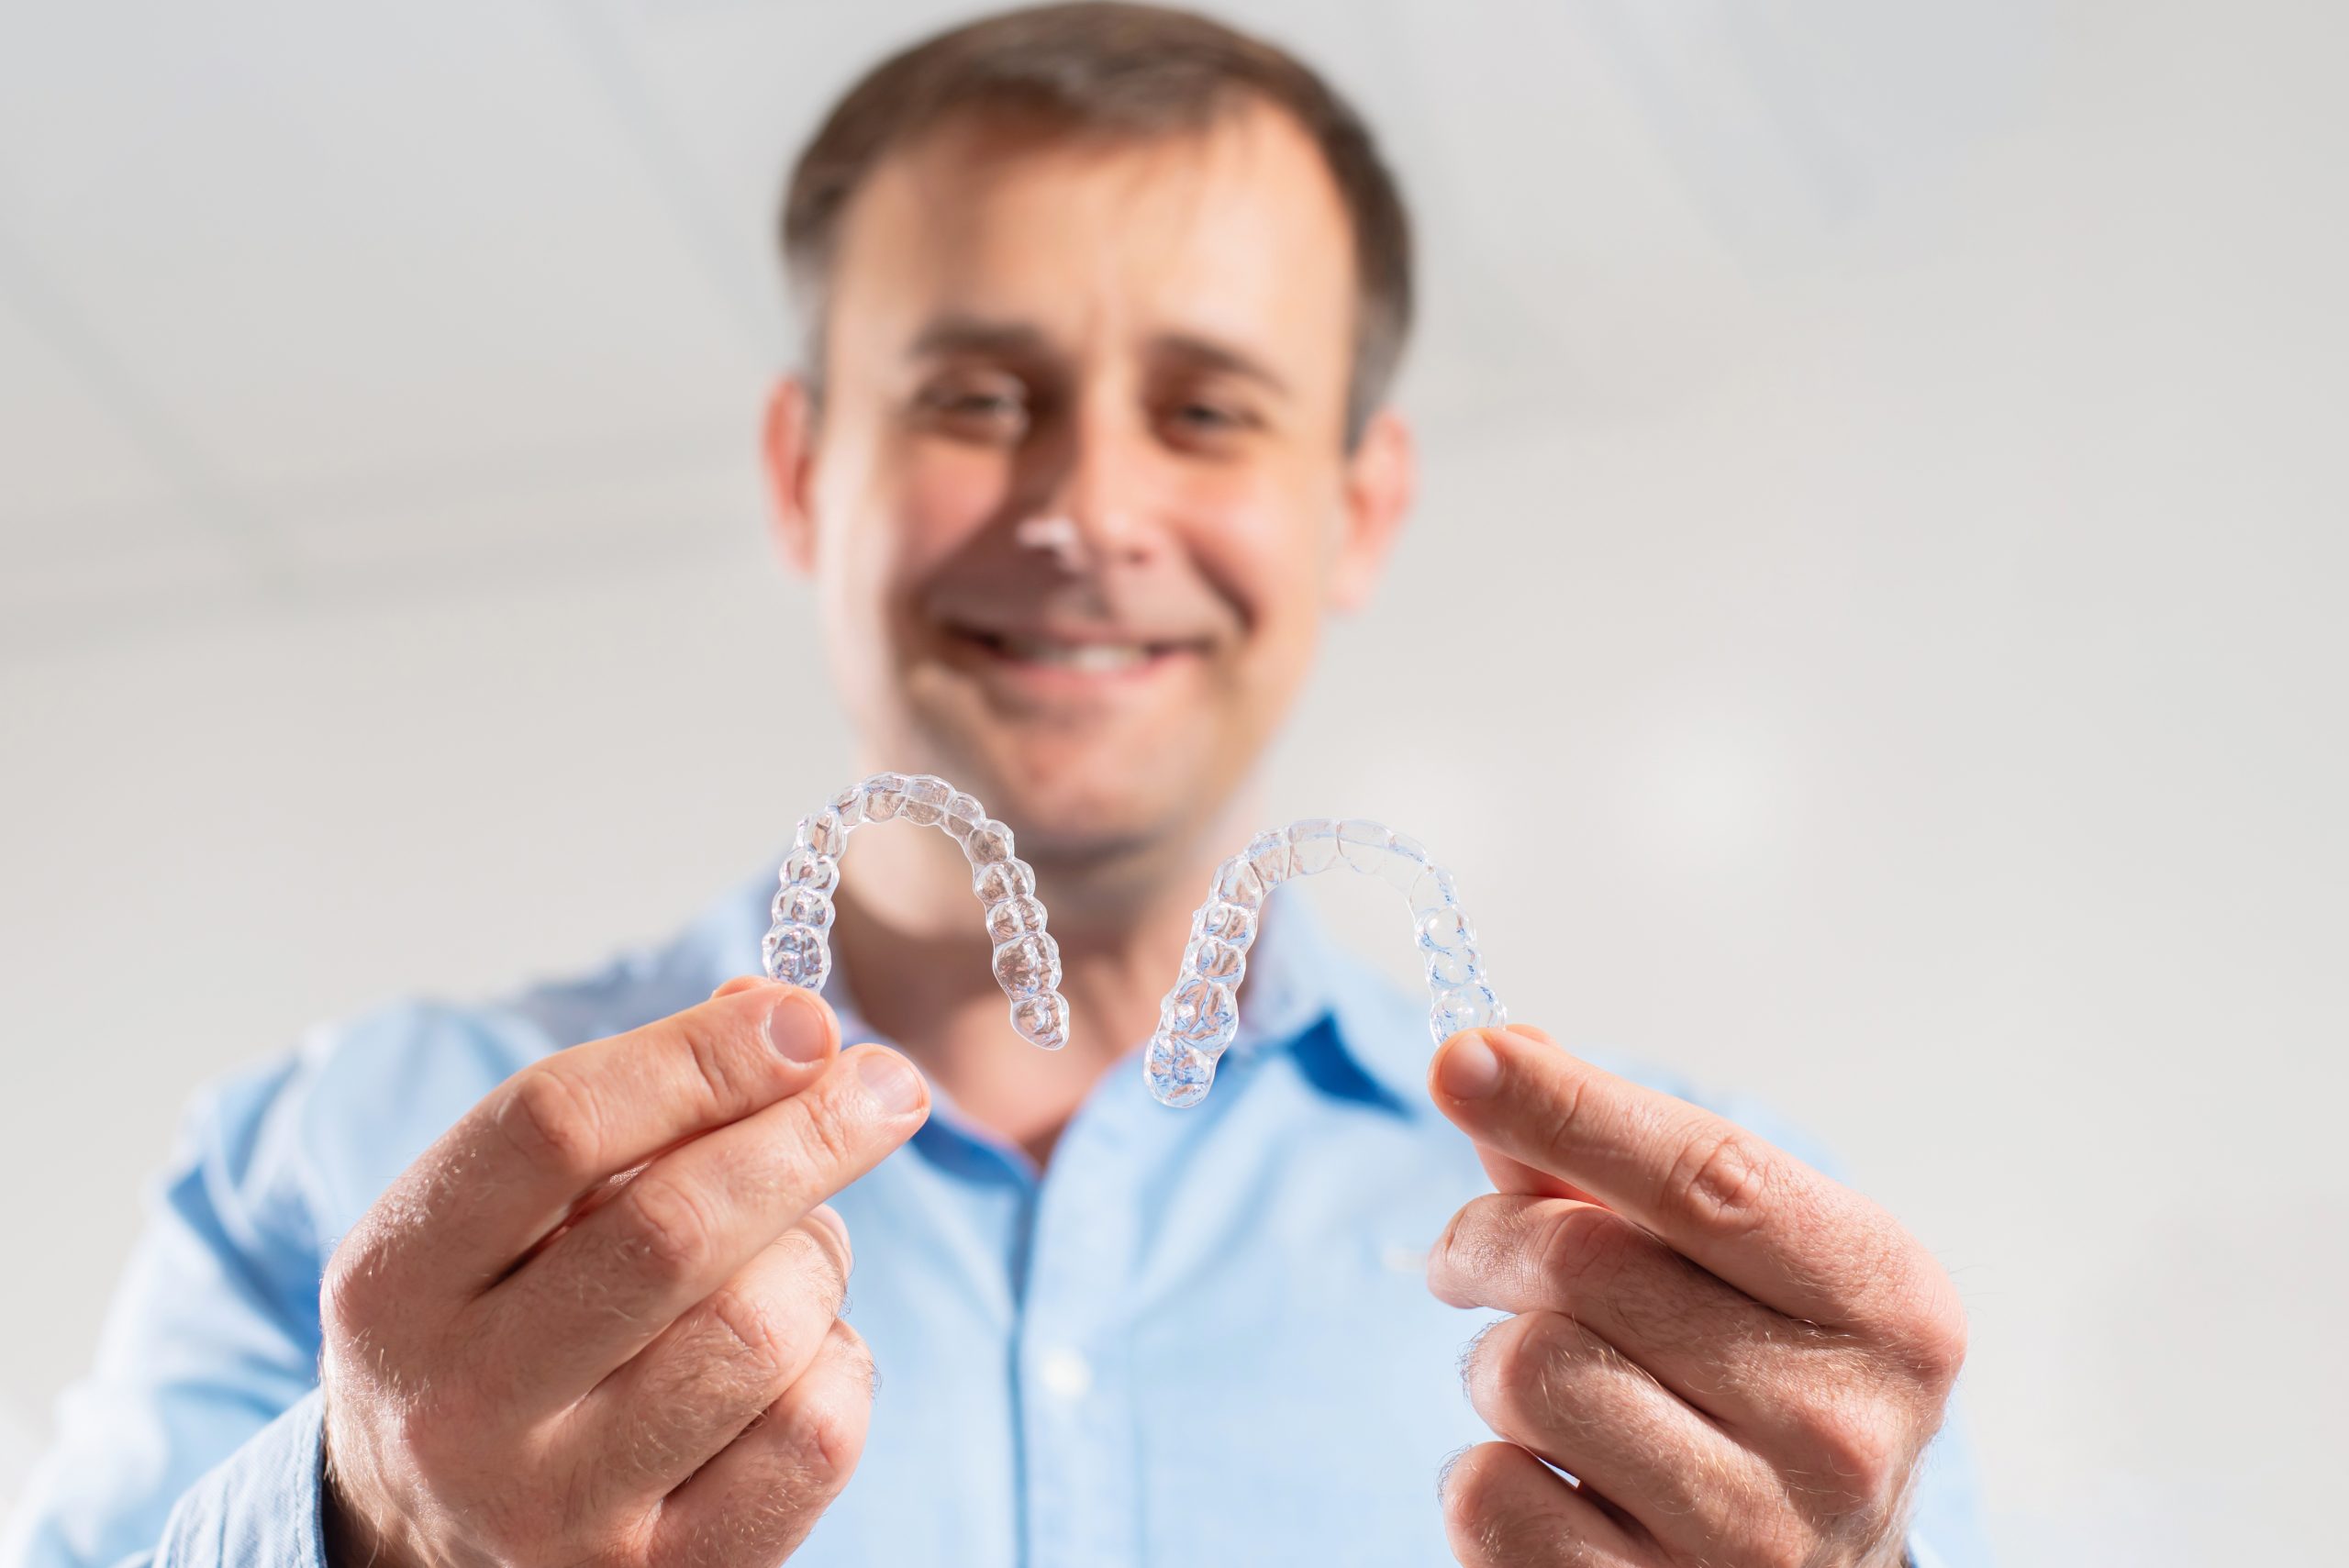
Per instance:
x=1231, y=230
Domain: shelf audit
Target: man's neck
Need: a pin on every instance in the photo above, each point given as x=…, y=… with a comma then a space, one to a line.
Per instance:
x=911, y=951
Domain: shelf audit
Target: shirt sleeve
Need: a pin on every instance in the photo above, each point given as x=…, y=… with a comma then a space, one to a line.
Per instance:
x=196, y=1440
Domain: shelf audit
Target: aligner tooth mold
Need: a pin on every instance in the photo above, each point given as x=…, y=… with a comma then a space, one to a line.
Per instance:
x=1200, y=1017
x=1026, y=960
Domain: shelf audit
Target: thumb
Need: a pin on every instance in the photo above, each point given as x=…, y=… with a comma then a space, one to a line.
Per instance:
x=1515, y=1176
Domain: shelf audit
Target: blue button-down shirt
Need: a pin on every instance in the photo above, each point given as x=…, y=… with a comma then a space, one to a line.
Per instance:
x=1198, y=1336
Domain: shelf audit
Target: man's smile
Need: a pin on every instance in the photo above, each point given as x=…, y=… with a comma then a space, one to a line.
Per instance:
x=1070, y=661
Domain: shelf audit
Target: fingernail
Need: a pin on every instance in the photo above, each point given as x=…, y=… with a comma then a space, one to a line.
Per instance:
x=823, y=1214
x=1469, y=1070
x=796, y=1027
x=892, y=1080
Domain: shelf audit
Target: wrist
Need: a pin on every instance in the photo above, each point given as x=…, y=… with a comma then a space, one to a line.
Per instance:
x=350, y=1542
x=351, y=1537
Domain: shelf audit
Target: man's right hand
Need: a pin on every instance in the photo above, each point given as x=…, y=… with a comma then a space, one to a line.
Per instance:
x=597, y=1322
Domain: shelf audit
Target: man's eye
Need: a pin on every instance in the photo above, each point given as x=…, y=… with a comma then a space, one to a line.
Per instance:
x=1195, y=418
x=989, y=412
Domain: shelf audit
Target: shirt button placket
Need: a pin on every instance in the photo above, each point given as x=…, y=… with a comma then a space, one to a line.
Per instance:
x=1076, y=1410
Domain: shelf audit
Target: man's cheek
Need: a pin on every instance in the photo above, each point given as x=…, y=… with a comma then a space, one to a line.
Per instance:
x=945, y=493
x=1262, y=551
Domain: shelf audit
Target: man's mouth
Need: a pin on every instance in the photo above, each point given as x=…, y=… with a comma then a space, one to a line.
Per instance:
x=1080, y=656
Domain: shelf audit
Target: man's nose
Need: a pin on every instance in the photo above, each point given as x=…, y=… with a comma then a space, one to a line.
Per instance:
x=1092, y=508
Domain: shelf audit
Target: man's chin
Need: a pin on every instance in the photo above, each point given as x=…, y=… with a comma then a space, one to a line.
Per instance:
x=1074, y=804
x=1062, y=822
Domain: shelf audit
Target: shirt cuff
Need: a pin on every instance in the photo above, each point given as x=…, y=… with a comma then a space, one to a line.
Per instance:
x=260, y=1508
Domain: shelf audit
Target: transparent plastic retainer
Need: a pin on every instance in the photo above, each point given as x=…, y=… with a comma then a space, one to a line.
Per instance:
x=1026, y=961
x=1199, y=1017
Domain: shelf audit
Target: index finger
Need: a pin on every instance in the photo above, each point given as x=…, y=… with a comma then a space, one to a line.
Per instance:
x=512, y=1168
x=1729, y=1201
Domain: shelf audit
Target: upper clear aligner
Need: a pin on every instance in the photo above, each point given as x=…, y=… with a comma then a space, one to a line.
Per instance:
x=1026, y=960
x=1200, y=1017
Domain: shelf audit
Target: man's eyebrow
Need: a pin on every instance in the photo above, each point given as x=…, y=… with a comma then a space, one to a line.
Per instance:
x=1206, y=353
x=976, y=335
x=1018, y=340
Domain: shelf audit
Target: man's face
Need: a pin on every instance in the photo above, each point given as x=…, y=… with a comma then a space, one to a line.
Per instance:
x=1078, y=493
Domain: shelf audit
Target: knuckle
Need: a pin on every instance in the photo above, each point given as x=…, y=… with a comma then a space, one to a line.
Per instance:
x=1912, y=1314
x=715, y=1049
x=550, y=1120
x=1471, y=1491
x=831, y=1417
x=1936, y=1355
x=1580, y=1245
x=760, y=1348
x=830, y=1134
x=668, y=1231
x=1490, y=1520
x=832, y=1436
x=1561, y=1130
x=1721, y=1181
x=351, y=1291
x=1861, y=1456
x=1937, y=1337
x=1464, y=1251
x=1527, y=1366
x=1480, y=1356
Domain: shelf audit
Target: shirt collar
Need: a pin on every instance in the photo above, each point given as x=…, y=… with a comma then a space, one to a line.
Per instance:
x=1357, y=1036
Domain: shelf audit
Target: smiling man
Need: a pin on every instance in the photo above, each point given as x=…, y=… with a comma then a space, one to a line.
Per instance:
x=1090, y=440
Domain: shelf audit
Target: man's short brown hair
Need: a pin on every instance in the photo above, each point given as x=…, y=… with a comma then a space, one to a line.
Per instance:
x=1122, y=69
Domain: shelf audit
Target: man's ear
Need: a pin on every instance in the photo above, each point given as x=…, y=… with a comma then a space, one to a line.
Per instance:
x=789, y=446
x=1382, y=478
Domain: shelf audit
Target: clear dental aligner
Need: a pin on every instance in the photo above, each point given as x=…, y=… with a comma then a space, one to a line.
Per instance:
x=1026, y=960
x=1200, y=1017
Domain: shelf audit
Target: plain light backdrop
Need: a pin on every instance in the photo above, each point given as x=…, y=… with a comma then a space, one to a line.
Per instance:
x=1873, y=636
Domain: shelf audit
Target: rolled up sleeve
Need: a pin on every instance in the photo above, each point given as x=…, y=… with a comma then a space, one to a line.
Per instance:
x=261, y=1506
x=194, y=1439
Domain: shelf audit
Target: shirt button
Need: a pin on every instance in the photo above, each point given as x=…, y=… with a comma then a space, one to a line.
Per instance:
x=1064, y=1374
x=1401, y=1260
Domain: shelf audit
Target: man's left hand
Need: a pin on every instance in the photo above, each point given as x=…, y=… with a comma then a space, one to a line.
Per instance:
x=1739, y=1361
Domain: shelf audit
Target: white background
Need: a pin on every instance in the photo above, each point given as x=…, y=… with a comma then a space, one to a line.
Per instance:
x=1873, y=637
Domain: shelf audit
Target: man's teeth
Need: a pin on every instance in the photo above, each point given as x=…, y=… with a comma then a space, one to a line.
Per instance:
x=1093, y=658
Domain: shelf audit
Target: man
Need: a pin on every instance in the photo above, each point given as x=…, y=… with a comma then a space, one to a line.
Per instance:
x=1104, y=302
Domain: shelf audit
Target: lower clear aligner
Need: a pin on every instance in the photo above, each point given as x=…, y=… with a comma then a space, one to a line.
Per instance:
x=1200, y=1017
x=1026, y=961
